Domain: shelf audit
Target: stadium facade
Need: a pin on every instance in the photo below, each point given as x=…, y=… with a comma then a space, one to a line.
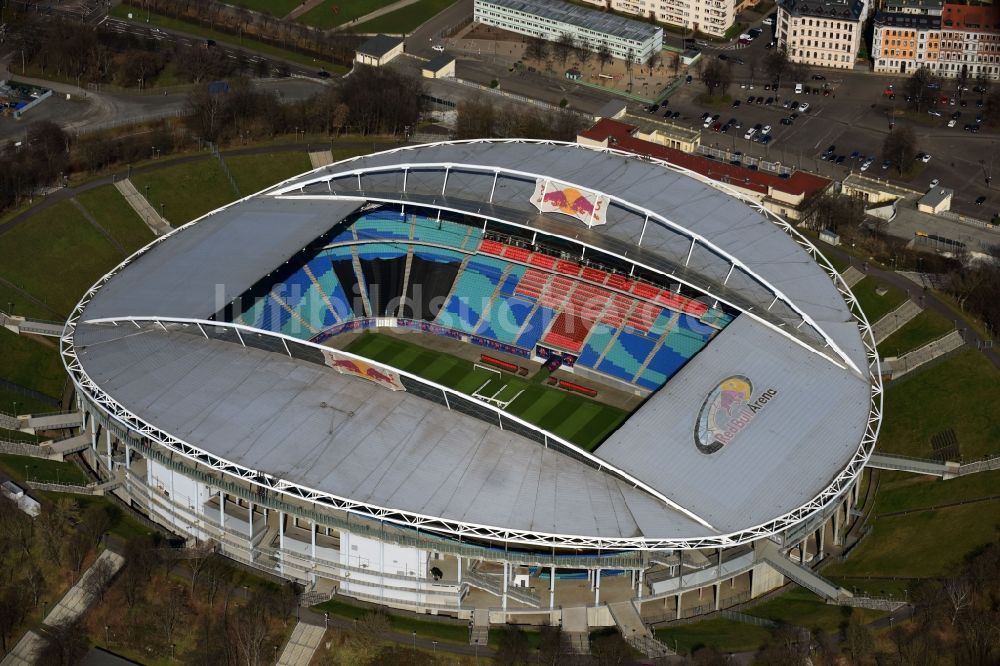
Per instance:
x=212, y=375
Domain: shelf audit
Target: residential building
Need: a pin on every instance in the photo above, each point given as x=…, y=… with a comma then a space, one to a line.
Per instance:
x=950, y=39
x=712, y=17
x=822, y=33
x=551, y=19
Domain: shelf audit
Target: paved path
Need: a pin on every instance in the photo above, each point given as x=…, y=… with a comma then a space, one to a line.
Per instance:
x=925, y=299
x=320, y=158
x=895, y=320
x=909, y=362
x=73, y=604
x=302, y=9
x=804, y=576
x=375, y=14
x=852, y=276
x=904, y=464
x=301, y=645
x=142, y=207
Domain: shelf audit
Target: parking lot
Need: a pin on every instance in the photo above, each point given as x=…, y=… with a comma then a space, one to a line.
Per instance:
x=854, y=119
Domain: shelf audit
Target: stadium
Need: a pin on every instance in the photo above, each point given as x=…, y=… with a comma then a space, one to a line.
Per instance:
x=502, y=381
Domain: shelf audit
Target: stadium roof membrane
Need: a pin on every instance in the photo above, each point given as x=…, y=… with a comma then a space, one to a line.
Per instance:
x=352, y=439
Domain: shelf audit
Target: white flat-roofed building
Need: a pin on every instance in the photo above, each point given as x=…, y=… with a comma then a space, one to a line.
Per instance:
x=551, y=19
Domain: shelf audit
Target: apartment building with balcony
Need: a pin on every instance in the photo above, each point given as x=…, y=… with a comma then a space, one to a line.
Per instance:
x=711, y=17
x=822, y=33
x=951, y=39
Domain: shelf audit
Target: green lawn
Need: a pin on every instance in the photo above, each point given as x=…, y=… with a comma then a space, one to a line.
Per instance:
x=39, y=469
x=916, y=491
x=160, y=21
x=876, y=306
x=31, y=364
x=277, y=8
x=802, y=608
x=925, y=327
x=723, y=635
x=578, y=419
x=255, y=172
x=959, y=393
x=332, y=13
x=407, y=19
x=187, y=190
x=928, y=543
x=55, y=256
x=25, y=405
x=112, y=212
x=452, y=633
x=23, y=305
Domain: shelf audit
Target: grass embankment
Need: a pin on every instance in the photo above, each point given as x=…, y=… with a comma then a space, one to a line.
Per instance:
x=874, y=305
x=55, y=256
x=922, y=329
x=406, y=19
x=333, y=13
x=959, y=393
x=107, y=205
x=578, y=419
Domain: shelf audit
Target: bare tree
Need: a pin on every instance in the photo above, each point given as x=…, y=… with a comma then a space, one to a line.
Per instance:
x=653, y=60
x=604, y=55
x=169, y=610
x=900, y=146
x=247, y=633
x=34, y=583
x=76, y=548
x=959, y=594
x=584, y=54
x=536, y=49
x=563, y=47
x=197, y=559
x=371, y=629
x=65, y=645
x=216, y=574
x=99, y=577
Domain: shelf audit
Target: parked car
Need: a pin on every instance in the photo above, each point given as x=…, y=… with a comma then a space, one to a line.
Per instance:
x=952, y=122
x=438, y=48
x=769, y=101
x=840, y=159
x=935, y=183
x=750, y=132
x=818, y=77
x=767, y=129
x=925, y=158
x=798, y=88
x=653, y=108
x=716, y=126
x=786, y=121
x=688, y=79
x=867, y=164
x=934, y=112
x=676, y=114
x=803, y=107
x=980, y=201
x=768, y=21
x=736, y=103
x=886, y=164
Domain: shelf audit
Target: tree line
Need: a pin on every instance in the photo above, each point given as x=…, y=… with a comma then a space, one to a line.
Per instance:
x=336, y=47
x=480, y=118
x=86, y=54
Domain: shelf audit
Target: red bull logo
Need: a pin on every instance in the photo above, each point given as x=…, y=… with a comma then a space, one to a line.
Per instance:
x=551, y=196
x=727, y=411
x=364, y=370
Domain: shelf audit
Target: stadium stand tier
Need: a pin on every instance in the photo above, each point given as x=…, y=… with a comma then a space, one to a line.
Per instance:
x=391, y=263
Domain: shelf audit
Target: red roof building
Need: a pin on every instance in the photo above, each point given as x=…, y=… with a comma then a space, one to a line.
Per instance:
x=782, y=196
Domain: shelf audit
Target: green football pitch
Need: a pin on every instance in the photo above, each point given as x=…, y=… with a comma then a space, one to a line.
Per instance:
x=578, y=419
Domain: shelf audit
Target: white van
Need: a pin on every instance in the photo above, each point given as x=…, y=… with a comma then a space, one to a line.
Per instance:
x=798, y=88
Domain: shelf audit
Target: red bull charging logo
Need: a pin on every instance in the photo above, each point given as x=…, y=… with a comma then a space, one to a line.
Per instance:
x=359, y=368
x=727, y=411
x=553, y=197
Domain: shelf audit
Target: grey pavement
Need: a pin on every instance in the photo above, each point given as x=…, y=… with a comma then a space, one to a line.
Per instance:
x=301, y=645
x=73, y=604
x=897, y=367
x=158, y=225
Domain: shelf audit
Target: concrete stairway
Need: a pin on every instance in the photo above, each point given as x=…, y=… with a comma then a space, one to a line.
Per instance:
x=897, y=367
x=575, y=630
x=487, y=583
x=852, y=276
x=479, y=630
x=146, y=212
x=807, y=578
x=320, y=158
x=904, y=464
x=895, y=320
x=635, y=631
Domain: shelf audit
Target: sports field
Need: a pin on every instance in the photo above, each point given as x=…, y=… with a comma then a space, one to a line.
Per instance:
x=405, y=19
x=332, y=13
x=573, y=417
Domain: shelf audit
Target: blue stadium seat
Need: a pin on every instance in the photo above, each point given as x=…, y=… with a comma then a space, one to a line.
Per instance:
x=626, y=356
x=600, y=336
x=322, y=269
x=504, y=319
x=469, y=297
x=535, y=327
x=429, y=230
x=510, y=283
x=382, y=224
x=372, y=251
